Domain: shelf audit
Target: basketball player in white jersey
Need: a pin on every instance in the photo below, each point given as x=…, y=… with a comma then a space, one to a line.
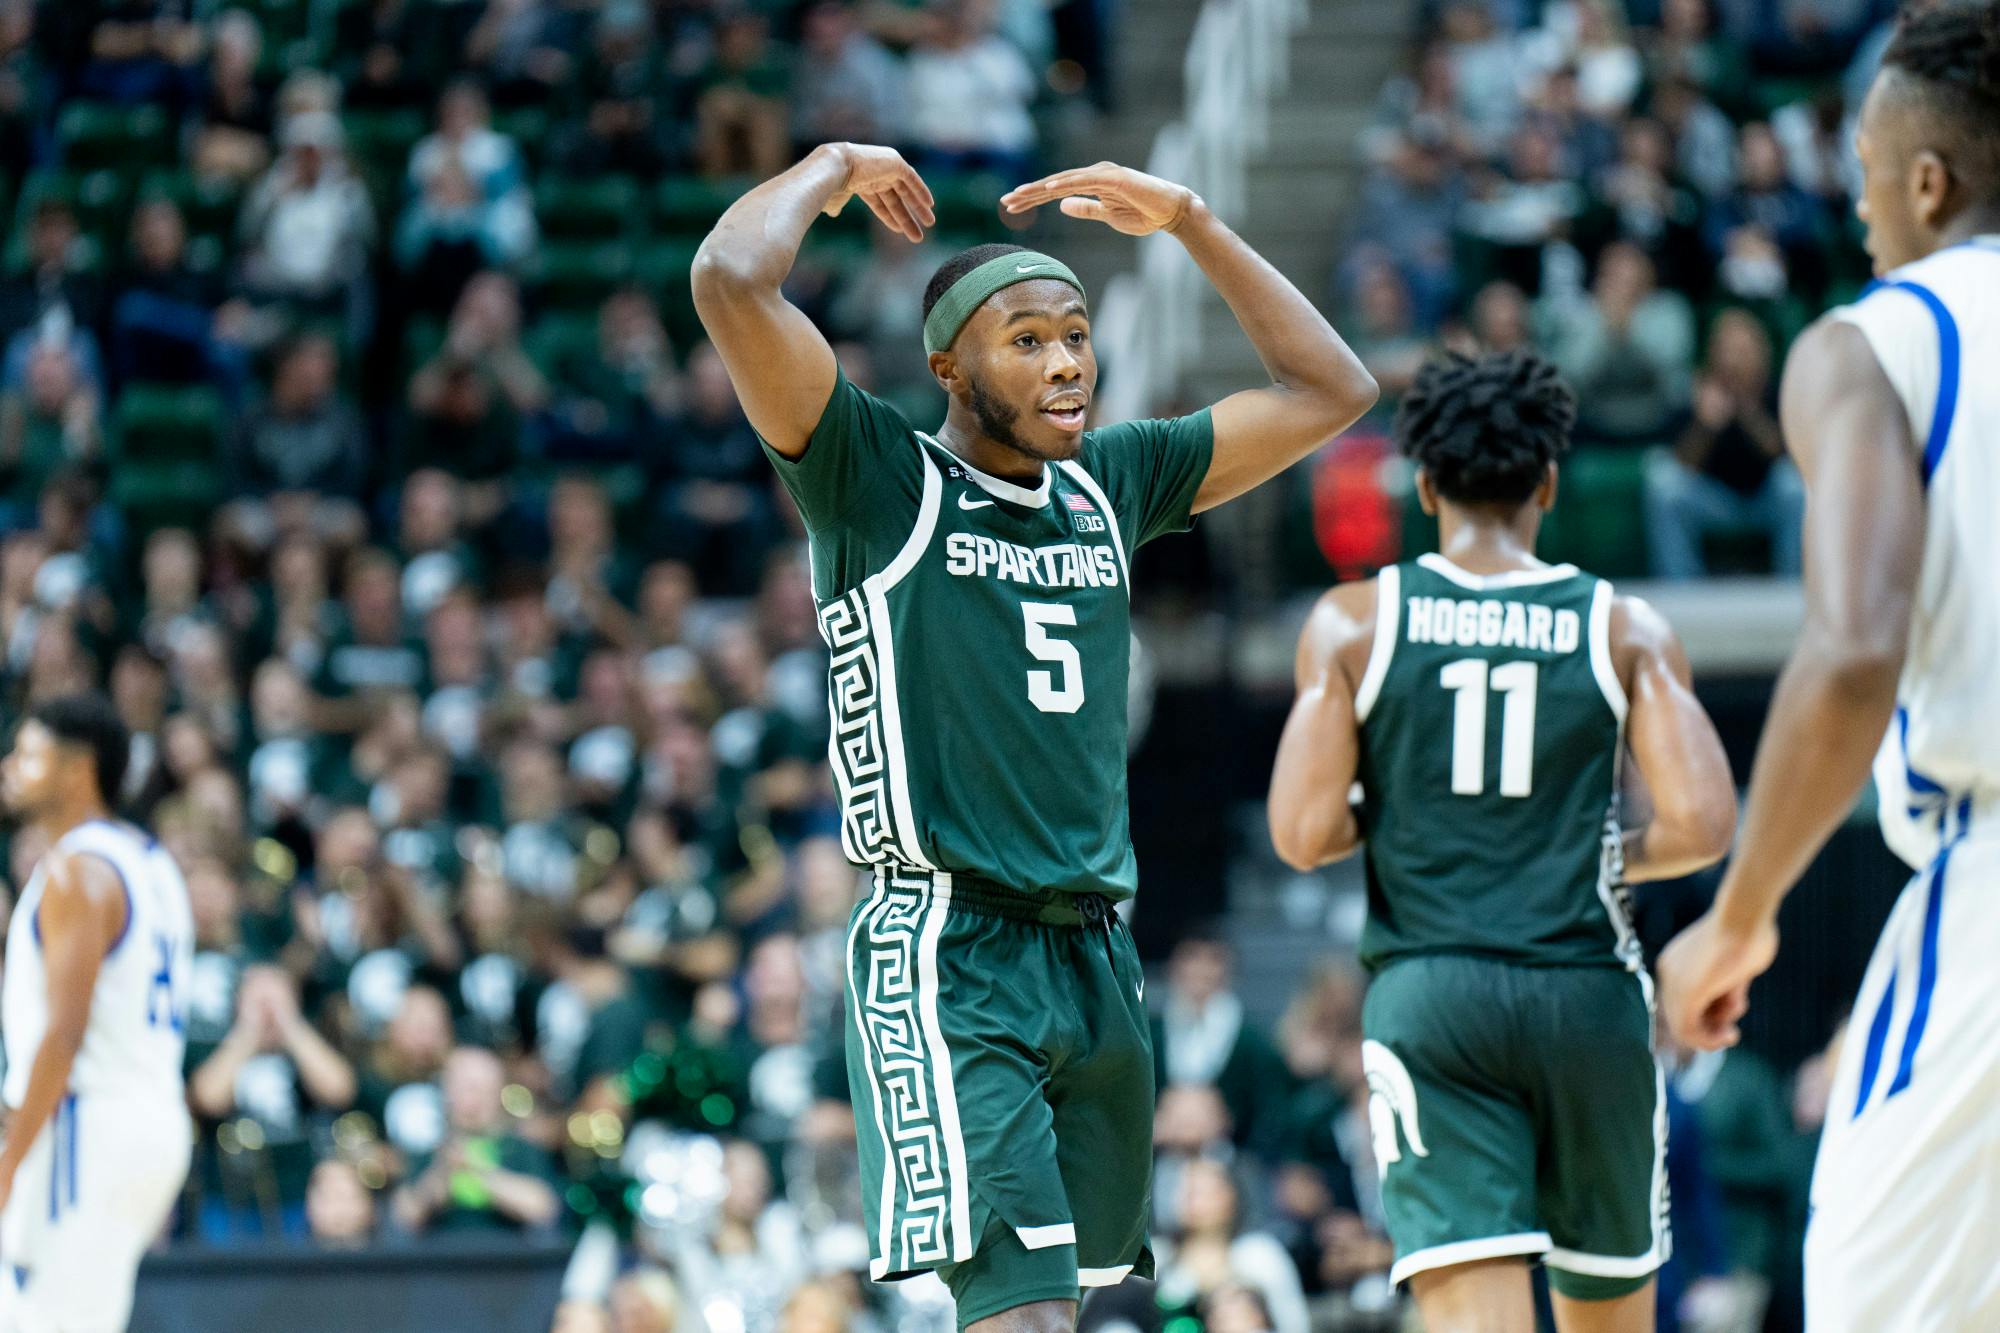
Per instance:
x=97, y=1136
x=1892, y=409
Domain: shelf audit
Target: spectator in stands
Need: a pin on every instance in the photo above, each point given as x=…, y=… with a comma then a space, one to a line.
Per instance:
x=274, y=1074
x=163, y=316
x=469, y=402
x=48, y=424
x=1689, y=45
x=233, y=126
x=1777, y=213
x=756, y=1253
x=616, y=126
x=645, y=1300
x=1518, y=212
x=388, y=54
x=1641, y=199
x=340, y=1208
x=882, y=306
x=621, y=387
x=849, y=87
x=56, y=275
x=371, y=654
x=1484, y=73
x=1383, y=331
x=1817, y=141
x=1627, y=351
x=485, y=1176
x=1585, y=136
x=1703, y=142
x=398, y=1086
x=300, y=454
x=714, y=486
x=141, y=51
x=1206, y=1251
x=23, y=82
x=1203, y=1038
x=449, y=233
x=520, y=49
x=308, y=226
x=970, y=95
x=1501, y=318
x=740, y=114
x=1727, y=469
x=465, y=139
x=1409, y=209
x=430, y=541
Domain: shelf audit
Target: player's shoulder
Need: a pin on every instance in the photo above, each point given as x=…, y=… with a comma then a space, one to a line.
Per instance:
x=1342, y=623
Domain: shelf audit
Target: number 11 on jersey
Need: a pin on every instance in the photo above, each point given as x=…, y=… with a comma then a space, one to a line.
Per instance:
x=1469, y=679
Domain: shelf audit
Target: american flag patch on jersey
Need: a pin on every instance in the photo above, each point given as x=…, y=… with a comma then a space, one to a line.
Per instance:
x=1079, y=504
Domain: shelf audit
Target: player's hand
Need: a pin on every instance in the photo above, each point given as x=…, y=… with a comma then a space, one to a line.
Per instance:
x=1705, y=976
x=891, y=188
x=1121, y=198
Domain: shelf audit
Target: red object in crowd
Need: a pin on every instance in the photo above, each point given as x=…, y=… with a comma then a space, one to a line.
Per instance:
x=1357, y=524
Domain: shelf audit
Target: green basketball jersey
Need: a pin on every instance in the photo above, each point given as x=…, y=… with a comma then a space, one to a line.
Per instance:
x=1492, y=725
x=981, y=641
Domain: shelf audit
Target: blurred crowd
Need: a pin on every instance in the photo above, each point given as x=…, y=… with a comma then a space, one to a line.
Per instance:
x=1656, y=193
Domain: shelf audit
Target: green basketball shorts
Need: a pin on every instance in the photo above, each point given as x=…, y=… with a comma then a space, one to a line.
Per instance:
x=1002, y=1075
x=1519, y=1111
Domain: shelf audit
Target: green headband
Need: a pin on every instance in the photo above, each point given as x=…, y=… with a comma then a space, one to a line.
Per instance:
x=966, y=295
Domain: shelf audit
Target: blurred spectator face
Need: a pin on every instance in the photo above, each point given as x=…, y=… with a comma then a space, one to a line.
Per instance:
x=741, y=40
x=579, y=515
x=429, y=517
x=298, y=570
x=746, y=1182
x=1384, y=301
x=419, y=1033
x=1500, y=317
x=52, y=378
x=340, y=1210
x=1421, y=164
x=1236, y=1309
x=816, y=1307
x=1189, y=1118
x=826, y=31
x=201, y=663
x=236, y=47
x=172, y=568
x=306, y=375
x=665, y=594
x=1739, y=351
x=1646, y=146
x=159, y=236
x=628, y=328
x=486, y=901
x=422, y=781
x=457, y=652
x=581, y=1317
x=52, y=235
x=1685, y=20
x=826, y=882
x=373, y=600
x=473, y=1080
x=1535, y=156
x=1624, y=276
x=212, y=900
x=279, y=704
x=1207, y=1198
x=532, y=781
x=1199, y=970
x=461, y=111
x=139, y=689
x=185, y=744
x=347, y=844
x=775, y=977
x=739, y=662
x=491, y=304
x=1760, y=159
x=644, y=1302
x=605, y=685
x=1467, y=23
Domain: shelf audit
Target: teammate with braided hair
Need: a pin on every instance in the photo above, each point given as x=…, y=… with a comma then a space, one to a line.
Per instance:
x=1891, y=408
x=1483, y=703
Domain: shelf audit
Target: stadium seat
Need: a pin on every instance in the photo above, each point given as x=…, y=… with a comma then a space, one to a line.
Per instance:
x=102, y=201
x=208, y=205
x=689, y=206
x=587, y=208
x=578, y=275
x=1597, y=522
x=970, y=204
x=558, y=338
x=167, y=494
x=99, y=135
x=664, y=271
x=528, y=127
x=383, y=137
x=162, y=424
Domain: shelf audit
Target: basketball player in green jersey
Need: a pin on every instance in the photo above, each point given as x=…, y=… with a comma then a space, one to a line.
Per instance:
x=1484, y=701
x=972, y=586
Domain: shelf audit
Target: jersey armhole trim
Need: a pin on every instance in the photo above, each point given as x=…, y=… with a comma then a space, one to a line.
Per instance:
x=1944, y=408
x=1601, y=664
x=920, y=533
x=1388, y=619
x=1089, y=483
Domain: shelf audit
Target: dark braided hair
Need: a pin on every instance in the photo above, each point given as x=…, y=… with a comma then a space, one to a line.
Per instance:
x=958, y=266
x=1950, y=49
x=1485, y=429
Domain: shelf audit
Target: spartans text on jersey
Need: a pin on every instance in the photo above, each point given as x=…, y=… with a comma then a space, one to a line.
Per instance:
x=1062, y=565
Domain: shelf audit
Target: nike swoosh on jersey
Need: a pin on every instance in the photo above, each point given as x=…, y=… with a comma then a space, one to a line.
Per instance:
x=967, y=502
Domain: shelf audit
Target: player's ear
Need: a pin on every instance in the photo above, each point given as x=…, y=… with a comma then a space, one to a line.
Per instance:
x=944, y=369
x=1545, y=494
x=1929, y=184
x=1426, y=493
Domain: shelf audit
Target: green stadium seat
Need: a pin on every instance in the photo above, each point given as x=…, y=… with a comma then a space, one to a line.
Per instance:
x=102, y=201
x=970, y=204
x=1600, y=518
x=689, y=205
x=578, y=275
x=664, y=271
x=558, y=339
x=209, y=206
x=422, y=338
x=528, y=127
x=167, y=494
x=383, y=137
x=587, y=208
x=162, y=424
x=97, y=135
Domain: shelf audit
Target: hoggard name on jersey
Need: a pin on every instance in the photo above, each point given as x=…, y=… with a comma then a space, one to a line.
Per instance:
x=1063, y=565
x=1482, y=622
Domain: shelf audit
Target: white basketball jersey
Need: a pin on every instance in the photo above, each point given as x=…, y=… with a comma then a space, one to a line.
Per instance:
x=1935, y=328
x=134, y=1043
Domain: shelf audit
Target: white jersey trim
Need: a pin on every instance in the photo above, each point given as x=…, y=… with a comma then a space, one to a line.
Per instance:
x=1601, y=664
x=1513, y=578
x=1467, y=1251
x=937, y=898
x=1036, y=497
x=1102, y=1277
x=1089, y=483
x=1388, y=626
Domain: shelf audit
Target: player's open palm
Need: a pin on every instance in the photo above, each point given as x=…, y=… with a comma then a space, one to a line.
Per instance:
x=891, y=187
x=1126, y=200
x=1705, y=975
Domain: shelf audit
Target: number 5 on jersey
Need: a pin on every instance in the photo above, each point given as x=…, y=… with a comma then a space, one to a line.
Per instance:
x=1469, y=679
x=1058, y=691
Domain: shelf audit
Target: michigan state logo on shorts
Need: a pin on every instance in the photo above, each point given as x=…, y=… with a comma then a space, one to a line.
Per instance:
x=1392, y=1101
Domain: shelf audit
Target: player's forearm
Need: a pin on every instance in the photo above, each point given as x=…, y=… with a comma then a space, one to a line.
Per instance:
x=1299, y=349
x=48, y=1079
x=1827, y=718
x=754, y=243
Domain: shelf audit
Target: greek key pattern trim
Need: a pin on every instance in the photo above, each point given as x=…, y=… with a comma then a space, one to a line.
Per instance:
x=890, y=1012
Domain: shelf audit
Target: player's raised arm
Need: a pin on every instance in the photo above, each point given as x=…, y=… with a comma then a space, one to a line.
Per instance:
x=82, y=913
x=1318, y=386
x=1676, y=749
x=1311, y=820
x=781, y=365
x=1850, y=435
